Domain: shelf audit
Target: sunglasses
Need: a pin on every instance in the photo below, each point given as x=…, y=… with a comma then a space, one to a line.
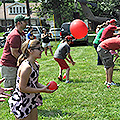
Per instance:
x=39, y=48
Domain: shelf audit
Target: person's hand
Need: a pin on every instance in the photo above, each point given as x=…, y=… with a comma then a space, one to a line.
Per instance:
x=3, y=96
x=45, y=89
x=2, y=93
x=5, y=89
x=2, y=80
x=73, y=63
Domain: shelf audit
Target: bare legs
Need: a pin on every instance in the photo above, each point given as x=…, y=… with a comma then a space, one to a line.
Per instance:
x=60, y=72
x=109, y=74
x=67, y=73
x=32, y=116
x=49, y=49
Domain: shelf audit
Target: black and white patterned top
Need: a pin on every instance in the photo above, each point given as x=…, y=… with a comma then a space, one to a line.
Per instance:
x=21, y=103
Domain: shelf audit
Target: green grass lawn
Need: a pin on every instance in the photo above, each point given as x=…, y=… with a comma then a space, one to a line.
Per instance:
x=86, y=98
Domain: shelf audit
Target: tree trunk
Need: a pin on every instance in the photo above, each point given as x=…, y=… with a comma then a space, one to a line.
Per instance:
x=57, y=19
x=28, y=11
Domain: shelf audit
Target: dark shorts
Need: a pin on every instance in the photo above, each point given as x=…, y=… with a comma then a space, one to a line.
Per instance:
x=106, y=57
x=62, y=63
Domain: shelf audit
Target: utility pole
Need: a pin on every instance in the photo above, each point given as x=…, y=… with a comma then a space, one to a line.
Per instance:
x=28, y=11
x=5, y=16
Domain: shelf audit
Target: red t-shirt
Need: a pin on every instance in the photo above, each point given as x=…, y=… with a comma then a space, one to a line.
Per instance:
x=111, y=44
x=14, y=40
x=108, y=32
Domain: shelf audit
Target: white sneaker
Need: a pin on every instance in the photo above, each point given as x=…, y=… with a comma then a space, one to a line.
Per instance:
x=106, y=83
x=112, y=83
x=67, y=81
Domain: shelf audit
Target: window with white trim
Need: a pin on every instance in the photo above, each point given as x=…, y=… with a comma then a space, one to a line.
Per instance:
x=17, y=9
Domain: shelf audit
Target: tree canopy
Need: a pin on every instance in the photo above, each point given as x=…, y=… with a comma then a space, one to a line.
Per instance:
x=63, y=9
x=108, y=8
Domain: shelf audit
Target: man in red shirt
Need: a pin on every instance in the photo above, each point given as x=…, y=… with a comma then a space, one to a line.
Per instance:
x=106, y=57
x=12, y=50
x=108, y=32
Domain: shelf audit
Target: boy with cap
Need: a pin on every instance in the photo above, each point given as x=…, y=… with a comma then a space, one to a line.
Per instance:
x=60, y=54
x=104, y=52
x=12, y=50
x=108, y=32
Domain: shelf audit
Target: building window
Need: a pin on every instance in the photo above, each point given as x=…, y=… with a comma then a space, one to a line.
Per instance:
x=23, y=9
x=20, y=10
x=17, y=10
x=10, y=10
x=13, y=9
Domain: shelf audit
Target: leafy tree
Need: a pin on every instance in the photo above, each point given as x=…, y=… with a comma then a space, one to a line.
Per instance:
x=0, y=3
x=107, y=8
x=62, y=10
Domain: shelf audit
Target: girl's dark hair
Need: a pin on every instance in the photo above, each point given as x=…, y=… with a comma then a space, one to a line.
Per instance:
x=24, y=49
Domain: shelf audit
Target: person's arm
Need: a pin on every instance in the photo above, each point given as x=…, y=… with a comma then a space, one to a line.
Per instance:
x=14, y=52
x=68, y=60
x=31, y=37
x=39, y=85
x=118, y=28
x=69, y=56
x=24, y=77
x=43, y=35
x=15, y=45
x=2, y=93
x=116, y=57
x=115, y=34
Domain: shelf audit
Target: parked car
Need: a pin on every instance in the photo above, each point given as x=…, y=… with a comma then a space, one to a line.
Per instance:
x=55, y=33
x=2, y=41
x=37, y=30
x=65, y=30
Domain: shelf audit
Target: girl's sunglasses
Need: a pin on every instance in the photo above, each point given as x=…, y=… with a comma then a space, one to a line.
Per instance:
x=39, y=48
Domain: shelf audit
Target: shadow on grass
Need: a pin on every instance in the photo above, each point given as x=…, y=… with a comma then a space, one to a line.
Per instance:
x=81, y=81
x=118, y=84
x=76, y=81
x=52, y=113
x=116, y=69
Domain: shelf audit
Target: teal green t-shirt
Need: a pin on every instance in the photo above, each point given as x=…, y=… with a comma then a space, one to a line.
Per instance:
x=97, y=38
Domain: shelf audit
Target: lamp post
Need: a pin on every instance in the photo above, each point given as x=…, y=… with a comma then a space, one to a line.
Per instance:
x=5, y=16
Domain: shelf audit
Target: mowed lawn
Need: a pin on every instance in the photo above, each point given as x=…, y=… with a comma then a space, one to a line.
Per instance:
x=85, y=98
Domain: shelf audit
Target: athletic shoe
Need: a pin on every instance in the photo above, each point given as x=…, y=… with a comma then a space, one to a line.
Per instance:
x=67, y=81
x=106, y=83
x=60, y=78
x=112, y=83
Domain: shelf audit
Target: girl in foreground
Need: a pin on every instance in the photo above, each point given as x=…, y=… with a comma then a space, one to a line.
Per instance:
x=26, y=97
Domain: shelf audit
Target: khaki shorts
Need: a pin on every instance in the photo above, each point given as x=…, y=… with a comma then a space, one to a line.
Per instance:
x=10, y=74
x=106, y=57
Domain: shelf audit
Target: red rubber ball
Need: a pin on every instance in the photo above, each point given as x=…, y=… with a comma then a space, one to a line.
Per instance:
x=52, y=86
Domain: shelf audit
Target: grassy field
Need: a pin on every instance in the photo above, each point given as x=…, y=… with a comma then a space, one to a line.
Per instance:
x=85, y=98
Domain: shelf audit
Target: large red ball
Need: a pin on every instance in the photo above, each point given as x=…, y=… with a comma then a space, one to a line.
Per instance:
x=78, y=29
x=52, y=86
